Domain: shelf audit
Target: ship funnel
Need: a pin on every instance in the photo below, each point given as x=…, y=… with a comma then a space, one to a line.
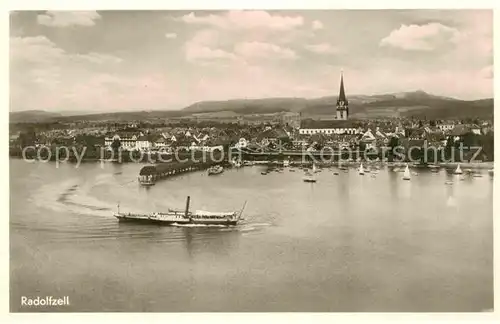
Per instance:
x=187, y=206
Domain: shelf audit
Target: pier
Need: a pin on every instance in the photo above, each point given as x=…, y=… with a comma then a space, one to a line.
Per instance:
x=153, y=173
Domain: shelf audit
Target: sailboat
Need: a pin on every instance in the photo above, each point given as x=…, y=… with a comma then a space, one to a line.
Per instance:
x=458, y=170
x=361, y=170
x=406, y=174
x=310, y=176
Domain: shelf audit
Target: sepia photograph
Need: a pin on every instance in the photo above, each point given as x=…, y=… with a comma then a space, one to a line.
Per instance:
x=251, y=161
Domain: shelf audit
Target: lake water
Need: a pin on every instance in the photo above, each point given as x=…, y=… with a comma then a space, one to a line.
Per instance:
x=345, y=243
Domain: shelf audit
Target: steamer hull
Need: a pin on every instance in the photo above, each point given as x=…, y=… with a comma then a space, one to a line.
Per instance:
x=177, y=220
x=183, y=217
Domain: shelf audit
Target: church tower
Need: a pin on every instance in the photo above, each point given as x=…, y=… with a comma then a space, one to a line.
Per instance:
x=342, y=104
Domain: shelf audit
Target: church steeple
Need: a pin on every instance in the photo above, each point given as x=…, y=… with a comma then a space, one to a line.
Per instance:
x=342, y=104
x=342, y=91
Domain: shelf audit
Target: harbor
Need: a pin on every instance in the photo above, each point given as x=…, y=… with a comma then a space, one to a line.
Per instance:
x=382, y=230
x=148, y=175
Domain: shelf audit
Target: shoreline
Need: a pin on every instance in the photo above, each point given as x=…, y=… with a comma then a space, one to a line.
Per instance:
x=472, y=165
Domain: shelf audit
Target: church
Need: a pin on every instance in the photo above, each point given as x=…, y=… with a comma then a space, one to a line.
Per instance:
x=341, y=123
x=342, y=104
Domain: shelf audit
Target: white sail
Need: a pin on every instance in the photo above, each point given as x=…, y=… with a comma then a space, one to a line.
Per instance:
x=406, y=174
x=361, y=170
x=458, y=170
x=314, y=168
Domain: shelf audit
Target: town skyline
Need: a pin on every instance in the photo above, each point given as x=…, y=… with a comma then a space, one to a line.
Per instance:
x=176, y=58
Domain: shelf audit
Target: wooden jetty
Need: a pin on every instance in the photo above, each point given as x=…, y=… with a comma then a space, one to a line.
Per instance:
x=153, y=173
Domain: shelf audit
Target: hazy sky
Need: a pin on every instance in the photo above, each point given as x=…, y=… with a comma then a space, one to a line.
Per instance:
x=130, y=60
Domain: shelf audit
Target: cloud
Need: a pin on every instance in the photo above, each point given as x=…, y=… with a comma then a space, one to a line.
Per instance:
x=37, y=49
x=41, y=50
x=245, y=20
x=322, y=48
x=203, y=46
x=264, y=50
x=99, y=58
x=421, y=37
x=316, y=25
x=195, y=52
x=44, y=76
x=171, y=35
x=222, y=58
x=68, y=18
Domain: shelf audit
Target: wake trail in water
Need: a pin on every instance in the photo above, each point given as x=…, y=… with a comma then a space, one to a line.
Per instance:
x=74, y=196
x=200, y=225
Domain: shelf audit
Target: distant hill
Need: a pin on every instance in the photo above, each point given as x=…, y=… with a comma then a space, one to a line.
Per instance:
x=32, y=116
x=416, y=103
x=403, y=104
x=249, y=106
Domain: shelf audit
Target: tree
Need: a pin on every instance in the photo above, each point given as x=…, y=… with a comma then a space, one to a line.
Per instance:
x=116, y=144
x=393, y=143
x=450, y=145
x=27, y=138
x=486, y=142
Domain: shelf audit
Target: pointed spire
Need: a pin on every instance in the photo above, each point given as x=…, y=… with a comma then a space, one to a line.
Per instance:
x=342, y=91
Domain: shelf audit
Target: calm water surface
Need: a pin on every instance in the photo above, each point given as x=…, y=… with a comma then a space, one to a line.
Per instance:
x=345, y=243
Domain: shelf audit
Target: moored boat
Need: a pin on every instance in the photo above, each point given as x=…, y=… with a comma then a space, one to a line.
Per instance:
x=146, y=181
x=458, y=170
x=309, y=177
x=218, y=169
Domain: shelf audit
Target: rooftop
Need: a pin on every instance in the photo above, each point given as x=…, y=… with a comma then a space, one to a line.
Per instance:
x=327, y=124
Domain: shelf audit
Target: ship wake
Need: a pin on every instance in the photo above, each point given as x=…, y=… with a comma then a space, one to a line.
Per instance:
x=74, y=197
x=200, y=225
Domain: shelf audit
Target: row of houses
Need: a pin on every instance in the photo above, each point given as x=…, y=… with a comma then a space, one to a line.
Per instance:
x=192, y=139
x=351, y=134
x=331, y=127
x=151, y=143
x=339, y=134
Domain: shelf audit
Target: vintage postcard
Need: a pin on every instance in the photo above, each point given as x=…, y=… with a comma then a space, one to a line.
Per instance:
x=251, y=160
